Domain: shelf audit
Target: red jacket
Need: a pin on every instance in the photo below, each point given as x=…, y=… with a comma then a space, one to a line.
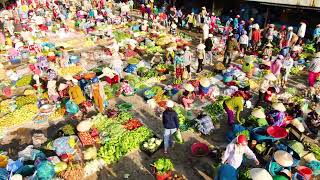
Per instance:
x=256, y=36
x=142, y=10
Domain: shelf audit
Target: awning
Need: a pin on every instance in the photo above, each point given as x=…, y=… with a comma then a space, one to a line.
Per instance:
x=309, y=4
x=291, y=6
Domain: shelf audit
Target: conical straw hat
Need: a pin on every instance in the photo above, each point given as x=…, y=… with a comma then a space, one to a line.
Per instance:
x=260, y=174
x=189, y=87
x=258, y=113
x=283, y=158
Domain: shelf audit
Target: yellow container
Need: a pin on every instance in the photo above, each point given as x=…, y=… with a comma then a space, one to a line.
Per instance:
x=3, y=161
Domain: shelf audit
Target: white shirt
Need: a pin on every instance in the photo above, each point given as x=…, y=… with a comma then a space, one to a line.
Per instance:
x=287, y=63
x=187, y=58
x=234, y=154
x=244, y=39
x=315, y=65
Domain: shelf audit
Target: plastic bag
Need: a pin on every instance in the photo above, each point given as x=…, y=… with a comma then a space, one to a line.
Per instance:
x=178, y=137
x=45, y=170
x=14, y=165
x=71, y=107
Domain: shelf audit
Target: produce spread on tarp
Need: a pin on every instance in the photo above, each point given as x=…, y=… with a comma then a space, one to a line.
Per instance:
x=75, y=74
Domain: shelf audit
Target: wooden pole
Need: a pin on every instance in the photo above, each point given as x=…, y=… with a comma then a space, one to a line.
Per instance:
x=267, y=17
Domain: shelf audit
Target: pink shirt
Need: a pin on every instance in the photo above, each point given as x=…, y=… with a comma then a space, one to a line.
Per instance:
x=276, y=67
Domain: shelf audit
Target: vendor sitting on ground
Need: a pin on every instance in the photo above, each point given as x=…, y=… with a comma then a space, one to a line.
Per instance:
x=156, y=59
x=178, y=64
x=269, y=94
x=313, y=121
x=125, y=88
x=207, y=91
x=235, y=105
x=276, y=117
x=235, y=151
x=188, y=96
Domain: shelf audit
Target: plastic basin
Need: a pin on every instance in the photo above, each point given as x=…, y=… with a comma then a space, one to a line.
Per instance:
x=277, y=132
x=199, y=149
x=305, y=172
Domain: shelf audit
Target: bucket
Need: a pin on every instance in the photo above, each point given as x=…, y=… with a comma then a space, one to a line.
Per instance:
x=199, y=149
x=163, y=176
x=305, y=172
x=3, y=161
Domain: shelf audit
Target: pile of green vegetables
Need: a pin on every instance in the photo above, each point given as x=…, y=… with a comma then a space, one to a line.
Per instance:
x=309, y=48
x=120, y=35
x=314, y=148
x=116, y=140
x=215, y=110
x=163, y=165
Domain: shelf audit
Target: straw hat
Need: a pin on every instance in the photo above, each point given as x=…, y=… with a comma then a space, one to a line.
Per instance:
x=16, y=177
x=210, y=36
x=290, y=28
x=260, y=174
x=269, y=45
x=204, y=82
x=170, y=104
x=62, y=86
x=189, y=87
x=267, y=63
x=52, y=84
x=258, y=113
x=283, y=158
x=201, y=46
x=84, y=126
x=173, y=25
x=317, y=55
x=248, y=59
x=270, y=77
x=68, y=77
x=279, y=107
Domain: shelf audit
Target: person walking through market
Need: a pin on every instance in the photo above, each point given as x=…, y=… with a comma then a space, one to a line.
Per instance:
x=143, y=10
x=201, y=54
x=285, y=70
x=156, y=59
x=205, y=31
x=316, y=37
x=191, y=21
x=187, y=60
x=314, y=70
x=276, y=66
x=234, y=106
x=231, y=47
x=209, y=44
x=179, y=64
x=235, y=150
x=244, y=42
x=267, y=51
x=256, y=37
x=170, y=123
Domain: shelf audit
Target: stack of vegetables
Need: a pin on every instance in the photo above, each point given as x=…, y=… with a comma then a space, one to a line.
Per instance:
x=215, y=110
x=24, y=80
x=151, y=145
x=117, y=140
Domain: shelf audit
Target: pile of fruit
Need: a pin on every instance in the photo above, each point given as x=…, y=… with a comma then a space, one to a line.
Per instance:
x=132, y=124
x=25, y=80
x=57, y=115
x=72, y=70
x=23, y=100
x=5, y=106
x=24, y=114
x=151, y=145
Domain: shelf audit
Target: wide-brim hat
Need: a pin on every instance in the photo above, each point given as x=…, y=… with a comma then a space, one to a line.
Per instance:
x=201, y=46
x=84, y=126
x=170, y=104
x=204, y=82
x=317, y=55
x=260, y=174
x=62, y=86
x=210, y=35
x=258, y=113
x=279, y=107
x=248, y=59
x=189, y=87
x=270, y=77
x=180, y=52
x=267, y=63
x=283, y=158
x=173, y=25
x=269, y=45
x=68, y=77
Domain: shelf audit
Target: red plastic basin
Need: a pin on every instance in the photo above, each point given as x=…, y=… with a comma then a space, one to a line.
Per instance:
x=277, y=132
